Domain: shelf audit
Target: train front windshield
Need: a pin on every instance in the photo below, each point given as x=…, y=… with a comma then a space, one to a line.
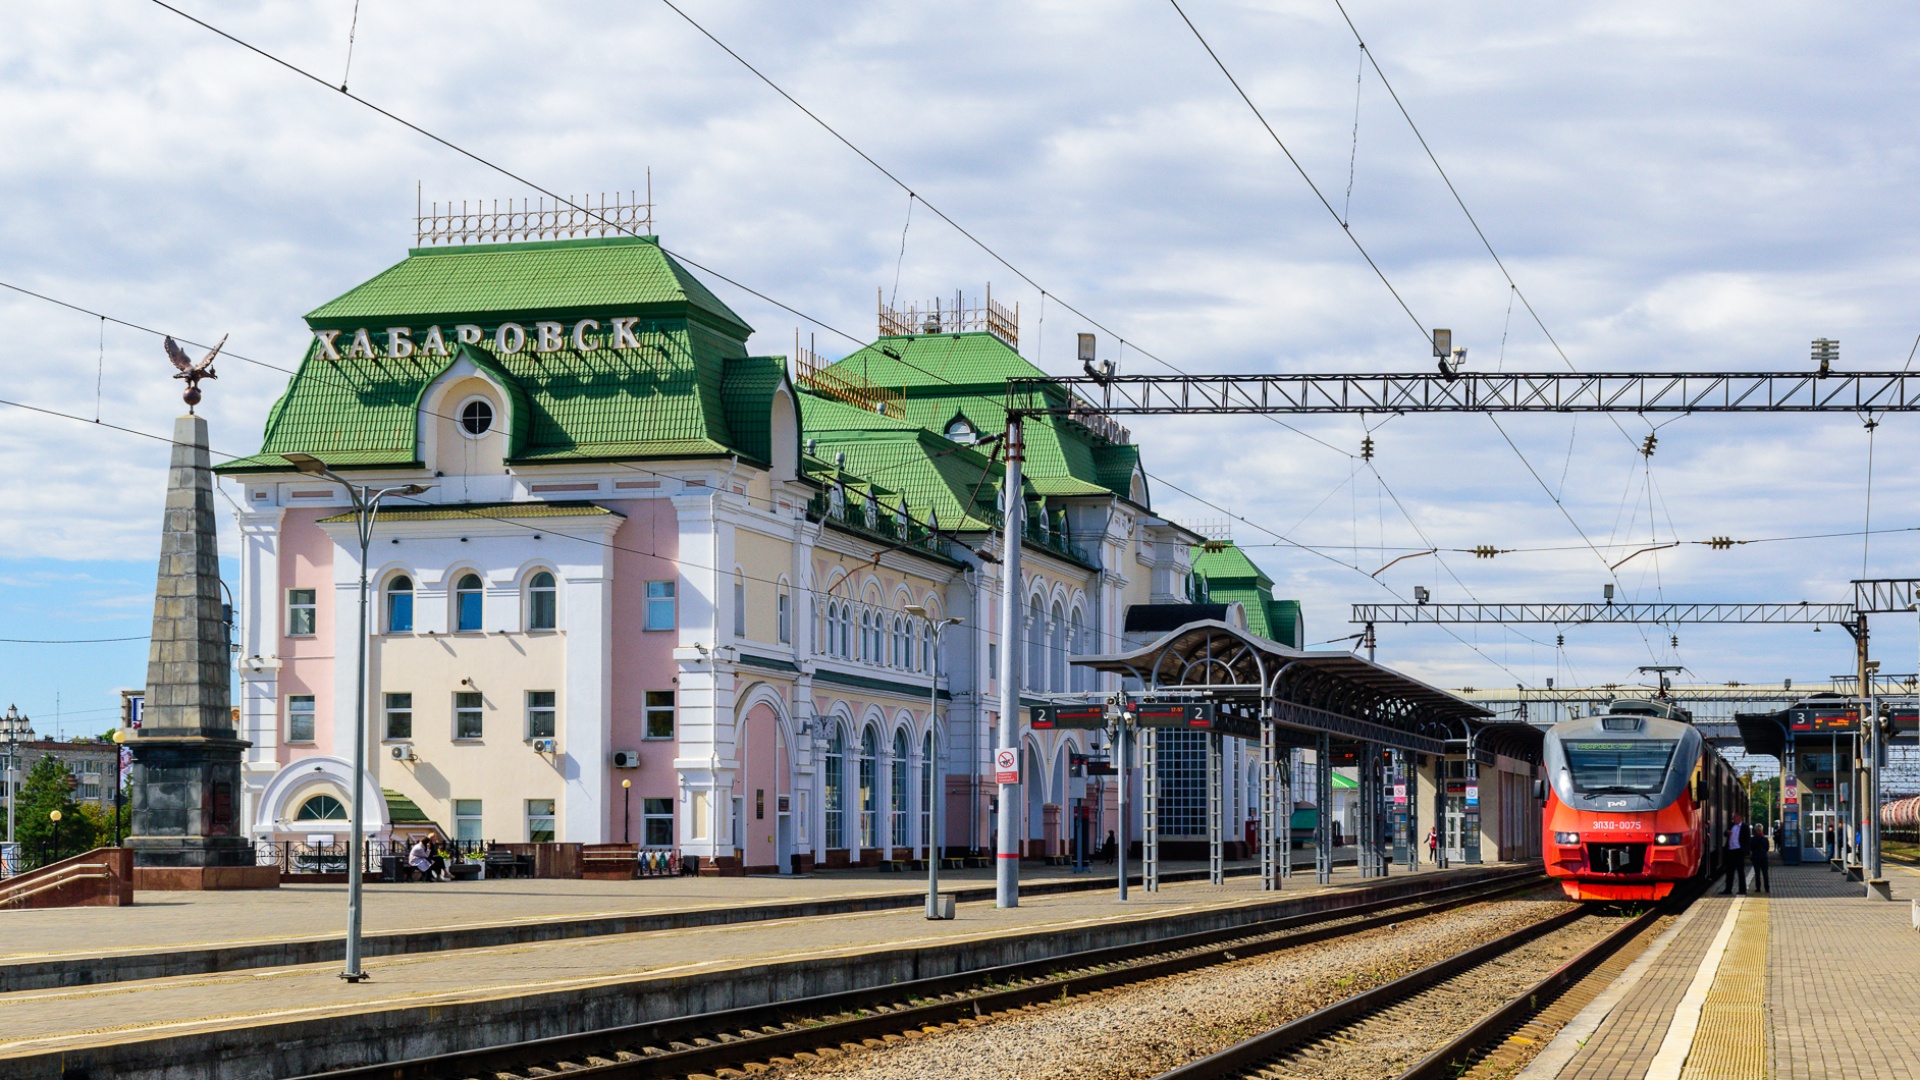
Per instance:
x=1620, y=768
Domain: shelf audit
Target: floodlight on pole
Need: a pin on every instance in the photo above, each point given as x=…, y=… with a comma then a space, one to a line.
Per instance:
x=366, y=508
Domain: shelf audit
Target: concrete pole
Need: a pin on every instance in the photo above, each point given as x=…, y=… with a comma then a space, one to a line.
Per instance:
x=1006, y=891
x=1122, y=735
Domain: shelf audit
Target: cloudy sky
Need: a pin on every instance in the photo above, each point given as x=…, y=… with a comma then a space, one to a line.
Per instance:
x=1700, y=187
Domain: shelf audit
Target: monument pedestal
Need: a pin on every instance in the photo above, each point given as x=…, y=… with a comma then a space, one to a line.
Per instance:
x=186, y=755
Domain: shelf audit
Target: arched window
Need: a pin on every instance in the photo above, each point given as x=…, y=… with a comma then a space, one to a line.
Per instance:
x=926, y=647
x=1082, y=677
x=321, y=808
x=1036, y=647
x=400, y=605
x=866, y=636
x=1057, y=650
x=902, y=651
x=897, y=807
x=543, y=607
x=962, y=432
x=927, y=838
x=835, y=781
x=466, y=602
x=869, y=796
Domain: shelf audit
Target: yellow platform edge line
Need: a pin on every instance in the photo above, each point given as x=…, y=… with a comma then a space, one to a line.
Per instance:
x=1734, y=1039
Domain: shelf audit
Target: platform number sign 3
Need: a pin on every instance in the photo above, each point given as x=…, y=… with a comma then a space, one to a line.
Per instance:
x=1006, y=765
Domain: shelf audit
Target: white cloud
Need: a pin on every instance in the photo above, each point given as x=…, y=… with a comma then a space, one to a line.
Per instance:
x=1704, y=188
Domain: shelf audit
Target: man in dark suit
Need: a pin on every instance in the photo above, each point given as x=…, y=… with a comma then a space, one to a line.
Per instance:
x=1757, y=846
x=1736, y=857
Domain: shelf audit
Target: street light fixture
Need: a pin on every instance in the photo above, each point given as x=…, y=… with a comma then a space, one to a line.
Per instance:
x=936, y=780
x=14, y=723
x=53, y=853
x=626, y=817
x=366, y=506
x=119, y=740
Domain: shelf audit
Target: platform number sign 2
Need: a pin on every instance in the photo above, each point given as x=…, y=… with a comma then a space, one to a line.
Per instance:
x=1006, y=765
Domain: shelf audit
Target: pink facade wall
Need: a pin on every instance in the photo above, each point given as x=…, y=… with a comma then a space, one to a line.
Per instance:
x=306, y=562
x=642, y=660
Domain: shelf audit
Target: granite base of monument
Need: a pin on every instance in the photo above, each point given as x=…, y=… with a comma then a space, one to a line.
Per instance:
x=184, y=814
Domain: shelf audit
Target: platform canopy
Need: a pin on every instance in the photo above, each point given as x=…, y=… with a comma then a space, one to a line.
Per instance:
x=1314, y=692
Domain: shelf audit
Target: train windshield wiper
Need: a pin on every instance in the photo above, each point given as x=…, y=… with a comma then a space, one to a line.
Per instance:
x=1612, y=791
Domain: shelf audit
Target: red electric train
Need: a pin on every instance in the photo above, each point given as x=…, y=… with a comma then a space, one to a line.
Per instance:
x=1636, y=802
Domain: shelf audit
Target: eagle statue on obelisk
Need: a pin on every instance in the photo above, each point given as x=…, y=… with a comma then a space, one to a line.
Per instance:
x=191, y=371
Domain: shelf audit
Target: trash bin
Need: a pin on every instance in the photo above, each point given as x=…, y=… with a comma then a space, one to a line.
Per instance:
x=940, y=906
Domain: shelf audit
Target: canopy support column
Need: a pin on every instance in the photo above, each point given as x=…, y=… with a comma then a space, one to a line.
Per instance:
x=1216, y=808
x=1323, y=805
x=1150, y=804
x=1270, y=827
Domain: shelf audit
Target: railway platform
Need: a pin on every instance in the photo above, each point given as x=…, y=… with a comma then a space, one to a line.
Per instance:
x=1812, y=981
x=425, y=1002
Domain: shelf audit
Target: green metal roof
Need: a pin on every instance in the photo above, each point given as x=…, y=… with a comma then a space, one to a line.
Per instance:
x=402, y=811
x=491, y=511
x=688, y=390
x=1229, y=576
x=944, y=376
x=554, y=278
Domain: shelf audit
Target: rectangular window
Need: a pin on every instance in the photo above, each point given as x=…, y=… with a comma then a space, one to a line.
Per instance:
x=540, y=714
x=300, y=718
x=399, y=716
x=467, y=709
x=539, y=821
x=301, y=610
x=739, y=609
x=466, y=820
x=659, y=714
x=659, y=605
x=783, y=607
x=656, y=817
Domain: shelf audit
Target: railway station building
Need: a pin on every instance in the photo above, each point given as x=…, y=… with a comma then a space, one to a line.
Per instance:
x=658, y=590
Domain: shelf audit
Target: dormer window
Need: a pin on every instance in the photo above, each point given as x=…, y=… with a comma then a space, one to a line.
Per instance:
x=962, y=432
x=476, y=417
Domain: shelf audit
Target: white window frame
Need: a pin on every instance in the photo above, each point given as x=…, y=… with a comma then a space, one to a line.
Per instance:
x=650, y=813
x=533, y=808
x=551, y=707
x=552, y=593
x=460, y=416
x=388, y=709
x=783, y=616
x=660, y=596
x=311, y=713
x=651, y=707
x=311, y=607
x=457, y=593
x=479, y=708
x=475, y=818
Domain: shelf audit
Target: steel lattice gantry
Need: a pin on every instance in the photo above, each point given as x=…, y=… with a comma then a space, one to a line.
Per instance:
x=1567, y=614
x=1505, y=392
x=1291, y=699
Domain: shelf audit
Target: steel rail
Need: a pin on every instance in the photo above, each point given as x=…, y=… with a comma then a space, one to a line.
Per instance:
x=1245, y=1058
x=1089, y=399
x=730, y=1038
x=1463, y=1050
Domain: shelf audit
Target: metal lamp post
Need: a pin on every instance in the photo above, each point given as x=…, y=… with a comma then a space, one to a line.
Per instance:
x=366, y=505
x=14, y=720
x=936, y=797
x=626, y=817
x=53, y=853
x=119, y=740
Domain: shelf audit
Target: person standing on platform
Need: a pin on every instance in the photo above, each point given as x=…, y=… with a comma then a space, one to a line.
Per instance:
x=1736, y=856
x=1433, y=846
x=1757, y=851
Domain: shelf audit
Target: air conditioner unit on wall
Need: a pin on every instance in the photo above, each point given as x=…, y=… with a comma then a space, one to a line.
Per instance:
x=626, y=759
x=403, y=752
x=544, y=746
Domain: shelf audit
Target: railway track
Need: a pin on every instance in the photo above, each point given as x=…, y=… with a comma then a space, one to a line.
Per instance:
x=1400, y=1012
x=779, y=1032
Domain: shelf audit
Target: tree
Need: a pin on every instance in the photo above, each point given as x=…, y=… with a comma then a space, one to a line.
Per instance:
x=48, y=788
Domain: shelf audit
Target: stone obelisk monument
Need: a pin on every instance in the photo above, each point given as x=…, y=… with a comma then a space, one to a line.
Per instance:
x=186, y=755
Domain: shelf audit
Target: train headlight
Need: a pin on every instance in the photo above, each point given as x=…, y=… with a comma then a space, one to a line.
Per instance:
x=1666, y=838
x=1566, y=838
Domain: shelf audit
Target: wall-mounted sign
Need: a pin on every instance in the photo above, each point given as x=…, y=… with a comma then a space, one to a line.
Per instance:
x=541, y=336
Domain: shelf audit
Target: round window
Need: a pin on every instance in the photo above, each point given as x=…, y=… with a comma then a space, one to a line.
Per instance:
x=476, y=417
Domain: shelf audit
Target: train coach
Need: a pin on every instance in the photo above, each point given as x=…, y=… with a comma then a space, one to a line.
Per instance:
x=1636, y=802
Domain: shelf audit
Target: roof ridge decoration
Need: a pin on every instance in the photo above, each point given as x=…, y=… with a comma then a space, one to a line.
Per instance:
x=957, y=318
x=566, y=219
